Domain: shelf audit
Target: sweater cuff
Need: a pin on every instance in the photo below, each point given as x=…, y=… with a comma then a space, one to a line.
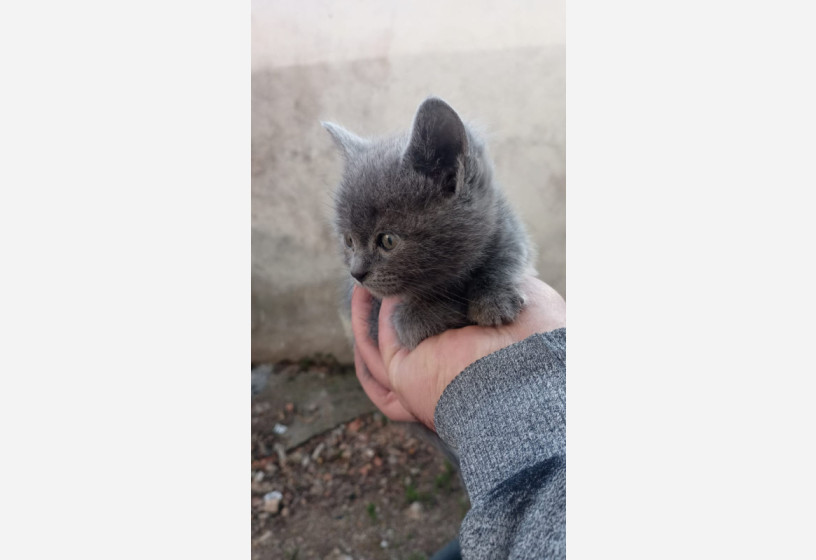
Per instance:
x=507, y=411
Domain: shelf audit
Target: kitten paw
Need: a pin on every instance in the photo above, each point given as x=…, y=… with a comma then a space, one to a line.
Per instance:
x=414, y=324
x=409, y=331
x=496, y=308
x=410, y=338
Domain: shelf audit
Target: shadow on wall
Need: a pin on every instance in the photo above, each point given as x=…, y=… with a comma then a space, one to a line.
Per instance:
x=517, y=96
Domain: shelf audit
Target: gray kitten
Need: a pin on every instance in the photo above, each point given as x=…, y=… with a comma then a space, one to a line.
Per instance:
x=419, y=216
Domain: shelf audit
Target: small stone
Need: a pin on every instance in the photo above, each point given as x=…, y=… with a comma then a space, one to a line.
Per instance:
x=285, y=512
x=281, y=451
x=265, y=537
x=262, y=408
x=355, y=425
x=290, y=407
x=258, y=476
x=260, y=376
x=317, y=488
x=318, y=450
x=337, y=555
x=274, y=495
x=271, y=507
x=272, y=501
x=414, y=511
x=383, y=544
x=279, y=429
x=260, y=487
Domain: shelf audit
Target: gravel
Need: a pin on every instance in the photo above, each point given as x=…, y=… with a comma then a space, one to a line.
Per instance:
x=366, y=489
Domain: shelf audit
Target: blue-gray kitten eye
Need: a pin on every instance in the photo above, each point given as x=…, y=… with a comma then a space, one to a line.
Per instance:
x=387, y=241
x=349, y=241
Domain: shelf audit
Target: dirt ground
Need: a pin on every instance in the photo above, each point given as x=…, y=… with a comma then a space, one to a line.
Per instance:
x=365, y=489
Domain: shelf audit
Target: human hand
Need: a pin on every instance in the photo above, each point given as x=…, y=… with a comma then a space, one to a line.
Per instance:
x=406, y=385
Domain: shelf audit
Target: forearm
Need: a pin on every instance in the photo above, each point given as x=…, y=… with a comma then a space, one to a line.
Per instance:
x=505, y=415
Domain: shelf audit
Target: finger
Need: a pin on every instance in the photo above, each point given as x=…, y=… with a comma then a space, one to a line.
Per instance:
x=360, y=312
x=544, y=309
x=386, y=401
x=390, y=346
x=375, y=391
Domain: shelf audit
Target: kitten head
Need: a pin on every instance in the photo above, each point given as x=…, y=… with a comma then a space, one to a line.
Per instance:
x=414, y=212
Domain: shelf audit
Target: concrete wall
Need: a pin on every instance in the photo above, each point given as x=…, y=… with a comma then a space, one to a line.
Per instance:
x=367, y=65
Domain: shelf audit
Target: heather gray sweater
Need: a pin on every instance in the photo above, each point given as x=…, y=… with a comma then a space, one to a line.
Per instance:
x=505, y=415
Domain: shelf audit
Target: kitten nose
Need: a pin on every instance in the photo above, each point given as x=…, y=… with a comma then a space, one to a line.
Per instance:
x=360, y=275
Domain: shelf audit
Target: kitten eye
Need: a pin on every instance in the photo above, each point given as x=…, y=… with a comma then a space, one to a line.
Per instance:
x=387, y=241
x=349, y=241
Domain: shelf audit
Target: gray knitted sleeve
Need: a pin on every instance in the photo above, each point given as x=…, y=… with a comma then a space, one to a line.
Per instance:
x=505, y=415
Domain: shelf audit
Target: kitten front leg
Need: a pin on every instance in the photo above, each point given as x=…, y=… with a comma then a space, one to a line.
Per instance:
x=495, y=299
x=415, y=321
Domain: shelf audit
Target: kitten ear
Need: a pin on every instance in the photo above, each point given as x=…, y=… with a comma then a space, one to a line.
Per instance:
x=348, y=142
x=438, y=144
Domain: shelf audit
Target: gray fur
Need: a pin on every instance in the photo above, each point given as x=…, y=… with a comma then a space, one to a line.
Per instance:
x=460, y=250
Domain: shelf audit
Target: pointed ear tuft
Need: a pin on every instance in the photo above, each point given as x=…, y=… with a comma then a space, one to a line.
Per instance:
x=348, y=143
x=438, y=144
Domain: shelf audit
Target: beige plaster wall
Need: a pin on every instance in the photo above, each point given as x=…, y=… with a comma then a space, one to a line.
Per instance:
x=369, y=72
